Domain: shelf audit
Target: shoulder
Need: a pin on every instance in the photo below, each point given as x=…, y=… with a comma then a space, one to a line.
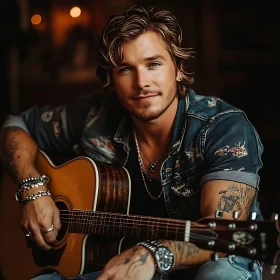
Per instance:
x=209, y=107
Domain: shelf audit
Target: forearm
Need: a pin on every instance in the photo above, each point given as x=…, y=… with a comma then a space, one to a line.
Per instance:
x=187, y=254
x=18, y=153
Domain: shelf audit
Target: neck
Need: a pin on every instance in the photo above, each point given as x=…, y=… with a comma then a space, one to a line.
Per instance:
x=157, y=132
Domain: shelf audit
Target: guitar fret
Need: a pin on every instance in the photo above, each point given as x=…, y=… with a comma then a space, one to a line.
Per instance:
x=126, y=225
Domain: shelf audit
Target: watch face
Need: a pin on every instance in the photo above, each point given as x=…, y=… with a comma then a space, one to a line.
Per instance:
x=164, y=259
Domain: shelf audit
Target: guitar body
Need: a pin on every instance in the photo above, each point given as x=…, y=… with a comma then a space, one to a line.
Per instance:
x=78, y=184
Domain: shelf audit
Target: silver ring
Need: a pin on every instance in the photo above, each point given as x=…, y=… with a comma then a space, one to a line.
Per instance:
x=29, y=234
x=47, y=230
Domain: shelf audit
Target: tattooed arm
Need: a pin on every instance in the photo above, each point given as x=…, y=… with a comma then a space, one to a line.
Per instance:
x=227, y=196
x=138, y=263
x=18, y=154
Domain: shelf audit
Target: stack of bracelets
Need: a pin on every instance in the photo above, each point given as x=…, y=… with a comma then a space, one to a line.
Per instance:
x=29, y=183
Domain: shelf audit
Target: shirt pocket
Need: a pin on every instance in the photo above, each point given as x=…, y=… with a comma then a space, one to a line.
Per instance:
x=185, y=184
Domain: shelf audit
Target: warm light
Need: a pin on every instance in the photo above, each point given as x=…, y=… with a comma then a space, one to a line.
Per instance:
x=36, y=19
x=75, y=12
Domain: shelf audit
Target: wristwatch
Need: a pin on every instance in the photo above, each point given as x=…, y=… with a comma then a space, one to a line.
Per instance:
x=163, y=256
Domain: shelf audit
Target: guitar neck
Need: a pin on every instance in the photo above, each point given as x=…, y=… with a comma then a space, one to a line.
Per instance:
x=104, y=223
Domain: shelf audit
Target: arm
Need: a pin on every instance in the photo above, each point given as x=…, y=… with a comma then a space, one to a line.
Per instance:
x=138, y=262
x=227, y=196
x=18, y=154
x=53, y=129
x=231, y=165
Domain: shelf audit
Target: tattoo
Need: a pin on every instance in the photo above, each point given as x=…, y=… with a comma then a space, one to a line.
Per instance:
x=184, y=253
x=191, y=250
x=11, y=154
x=236, y=198
x=141, y=260
x=9, y=161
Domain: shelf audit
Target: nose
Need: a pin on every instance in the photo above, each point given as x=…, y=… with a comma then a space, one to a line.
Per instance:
x=142, y=78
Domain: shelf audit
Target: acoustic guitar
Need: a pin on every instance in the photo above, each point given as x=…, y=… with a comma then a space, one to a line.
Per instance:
x=94, y=200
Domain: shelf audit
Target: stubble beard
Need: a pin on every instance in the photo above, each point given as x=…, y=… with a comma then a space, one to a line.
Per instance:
x=148, y=115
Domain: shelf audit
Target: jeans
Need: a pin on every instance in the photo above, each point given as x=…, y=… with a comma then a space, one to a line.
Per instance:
x=224, y=269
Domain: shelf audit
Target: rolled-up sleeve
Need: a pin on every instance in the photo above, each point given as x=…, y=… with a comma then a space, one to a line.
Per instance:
x=54, y=128
x=232, y=150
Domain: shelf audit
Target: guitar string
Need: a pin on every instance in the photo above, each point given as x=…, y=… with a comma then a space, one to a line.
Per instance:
x=142, y=223
x=192, y=235
x=123, y=216
x=169, y=229
x=131, y=218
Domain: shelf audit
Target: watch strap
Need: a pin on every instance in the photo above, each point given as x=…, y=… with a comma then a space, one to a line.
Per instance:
x=153, y=246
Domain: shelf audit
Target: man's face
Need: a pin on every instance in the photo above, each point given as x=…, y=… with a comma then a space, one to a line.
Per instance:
x=145, y=82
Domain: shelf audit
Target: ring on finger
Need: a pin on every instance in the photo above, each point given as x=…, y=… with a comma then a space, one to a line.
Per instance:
x=47, y=230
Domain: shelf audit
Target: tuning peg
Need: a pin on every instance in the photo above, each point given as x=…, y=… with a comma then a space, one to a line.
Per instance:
x=214, y=257
x=219, y=214
x=273, y=268
x=253, y=216
x=232, y=226
x=235, y=215
x=212, y=225
x=211, y=243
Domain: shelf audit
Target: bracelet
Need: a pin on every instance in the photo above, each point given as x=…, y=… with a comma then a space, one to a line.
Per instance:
x=34, y=180
x=35, y=196
x=29, y=183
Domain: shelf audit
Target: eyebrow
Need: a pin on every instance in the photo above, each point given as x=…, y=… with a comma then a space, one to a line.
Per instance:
x=151, y=58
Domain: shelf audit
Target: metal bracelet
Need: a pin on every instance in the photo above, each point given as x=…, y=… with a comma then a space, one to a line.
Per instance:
x=34, y=180
x=35, y=196
x=24, y=188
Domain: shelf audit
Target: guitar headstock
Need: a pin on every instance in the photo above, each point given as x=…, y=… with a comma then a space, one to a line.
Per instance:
x=255, y=239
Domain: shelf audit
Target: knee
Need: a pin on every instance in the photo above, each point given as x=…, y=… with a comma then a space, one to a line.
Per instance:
x=227, y=269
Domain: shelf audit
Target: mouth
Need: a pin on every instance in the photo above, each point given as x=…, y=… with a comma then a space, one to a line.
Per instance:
x=144, y=97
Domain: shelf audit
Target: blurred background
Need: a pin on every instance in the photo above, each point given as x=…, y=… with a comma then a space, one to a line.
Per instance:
x=48, y=55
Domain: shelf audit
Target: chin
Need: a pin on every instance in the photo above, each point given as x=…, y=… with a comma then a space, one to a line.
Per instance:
x=148, y=116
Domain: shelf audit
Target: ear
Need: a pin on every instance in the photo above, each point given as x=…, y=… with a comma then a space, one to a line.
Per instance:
x=179, y=76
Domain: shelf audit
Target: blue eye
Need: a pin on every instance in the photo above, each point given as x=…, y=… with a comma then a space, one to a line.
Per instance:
x=155, y=64
x=123, y=70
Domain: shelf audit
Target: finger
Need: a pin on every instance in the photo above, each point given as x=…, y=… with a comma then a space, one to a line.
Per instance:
x=49, y=233
x=39, y=239
x=56, y=222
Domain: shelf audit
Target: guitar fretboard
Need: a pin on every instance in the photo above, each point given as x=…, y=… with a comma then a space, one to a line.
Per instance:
x=80, y=221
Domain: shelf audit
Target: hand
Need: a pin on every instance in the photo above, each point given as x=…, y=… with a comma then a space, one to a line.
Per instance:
x=38, y=216
x=136, y=263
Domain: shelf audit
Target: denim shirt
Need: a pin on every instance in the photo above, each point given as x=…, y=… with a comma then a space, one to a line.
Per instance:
x=211, y=140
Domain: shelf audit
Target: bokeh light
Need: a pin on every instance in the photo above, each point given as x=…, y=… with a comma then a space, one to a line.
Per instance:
x=36, y=19
x=75, y=12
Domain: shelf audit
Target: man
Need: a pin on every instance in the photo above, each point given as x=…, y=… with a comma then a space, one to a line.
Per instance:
x=188, y=155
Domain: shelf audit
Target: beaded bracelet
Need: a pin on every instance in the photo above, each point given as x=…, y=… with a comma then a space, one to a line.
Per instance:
x=35, y=196
x=34, y=180
x=24, y=188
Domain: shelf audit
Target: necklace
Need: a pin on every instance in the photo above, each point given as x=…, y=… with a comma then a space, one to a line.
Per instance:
x=152, y=164
x=142, y=170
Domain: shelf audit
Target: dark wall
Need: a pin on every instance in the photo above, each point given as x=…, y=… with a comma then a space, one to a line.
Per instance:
x=237, y=48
